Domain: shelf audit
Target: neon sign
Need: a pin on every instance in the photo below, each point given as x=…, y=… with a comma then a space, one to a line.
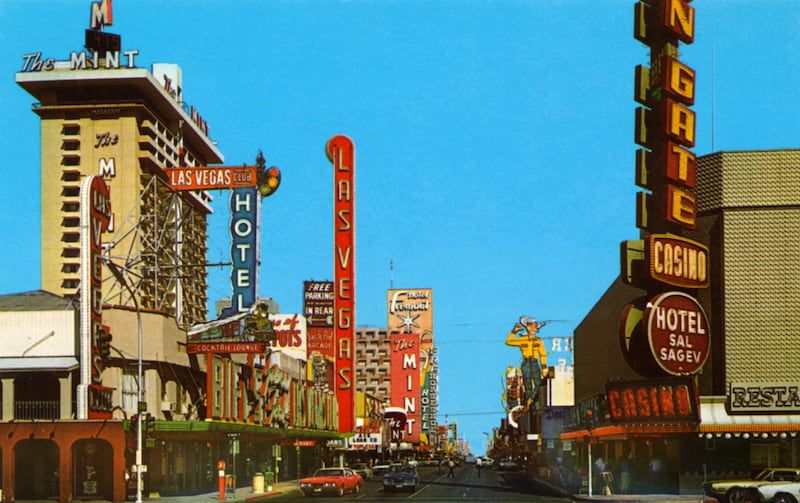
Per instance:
x=341, y=152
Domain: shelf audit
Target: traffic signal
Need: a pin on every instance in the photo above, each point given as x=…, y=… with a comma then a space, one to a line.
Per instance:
x=104, y=342
x=149, y=424
x=134, y=423
x=268, y=181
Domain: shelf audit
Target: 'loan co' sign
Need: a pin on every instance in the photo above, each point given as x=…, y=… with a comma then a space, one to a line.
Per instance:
x=341, y=152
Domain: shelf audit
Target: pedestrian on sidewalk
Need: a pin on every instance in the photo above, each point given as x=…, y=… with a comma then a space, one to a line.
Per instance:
x=478, y=464
x=625, y=476
x=450, y=466
x=439, y=465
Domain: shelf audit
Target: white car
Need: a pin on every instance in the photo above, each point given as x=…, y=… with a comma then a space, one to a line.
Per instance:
x=781, y=492
x=741, y=490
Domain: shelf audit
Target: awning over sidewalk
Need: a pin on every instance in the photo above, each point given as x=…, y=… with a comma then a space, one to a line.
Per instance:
x=224, y=427
x=38, y=363
x=624, y=431
x=716, y=420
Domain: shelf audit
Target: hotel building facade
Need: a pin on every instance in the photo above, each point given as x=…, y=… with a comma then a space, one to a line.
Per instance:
x=746, y=408
x=103, y=115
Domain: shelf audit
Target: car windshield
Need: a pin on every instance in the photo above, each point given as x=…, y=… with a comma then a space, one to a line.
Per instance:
x=399, y=469
x=359, y=466
x=329, y=472
x=763, y=475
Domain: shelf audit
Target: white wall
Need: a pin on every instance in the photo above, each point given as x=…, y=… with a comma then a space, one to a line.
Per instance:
x=37, y=333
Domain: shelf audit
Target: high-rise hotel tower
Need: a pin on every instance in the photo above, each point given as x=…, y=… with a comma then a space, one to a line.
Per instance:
x=104, y=115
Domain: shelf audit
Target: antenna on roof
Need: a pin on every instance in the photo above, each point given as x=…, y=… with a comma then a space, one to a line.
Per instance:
x=713, y=87
x=391, y=274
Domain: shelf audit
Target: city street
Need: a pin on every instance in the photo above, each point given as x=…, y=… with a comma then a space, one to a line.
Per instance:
x=466, y=485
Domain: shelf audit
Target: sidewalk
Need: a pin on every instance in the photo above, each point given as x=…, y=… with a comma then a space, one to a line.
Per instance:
x=635, y=498
x=243, y=494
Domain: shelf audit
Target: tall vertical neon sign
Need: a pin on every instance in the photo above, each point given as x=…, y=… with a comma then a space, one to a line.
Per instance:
x=341, y=152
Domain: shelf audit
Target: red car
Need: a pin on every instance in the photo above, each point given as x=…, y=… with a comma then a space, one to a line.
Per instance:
x=331, y=481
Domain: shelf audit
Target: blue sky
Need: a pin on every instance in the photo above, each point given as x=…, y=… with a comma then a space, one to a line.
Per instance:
x=494, y=144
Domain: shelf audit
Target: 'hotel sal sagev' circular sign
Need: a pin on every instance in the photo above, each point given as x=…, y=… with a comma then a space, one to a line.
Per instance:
x=677, y=329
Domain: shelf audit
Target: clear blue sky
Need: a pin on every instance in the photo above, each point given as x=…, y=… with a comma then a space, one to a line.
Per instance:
x=494, y=143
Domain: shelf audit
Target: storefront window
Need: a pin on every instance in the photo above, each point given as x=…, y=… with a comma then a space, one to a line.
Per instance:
x=764, y=455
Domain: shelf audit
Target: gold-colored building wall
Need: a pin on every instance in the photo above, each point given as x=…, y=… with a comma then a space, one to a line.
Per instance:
x=152, y=224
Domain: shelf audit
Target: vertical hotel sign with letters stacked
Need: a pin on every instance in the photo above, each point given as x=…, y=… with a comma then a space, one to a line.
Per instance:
x=245, y=208
x=411, y=311
x=94, y=399
x=341, y=152
x=665, y=333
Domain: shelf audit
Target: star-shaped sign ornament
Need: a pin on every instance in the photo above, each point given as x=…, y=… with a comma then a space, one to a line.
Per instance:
x=408, y=321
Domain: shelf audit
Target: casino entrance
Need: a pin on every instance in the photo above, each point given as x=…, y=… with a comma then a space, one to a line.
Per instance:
x=36, y=465
x=93, y=460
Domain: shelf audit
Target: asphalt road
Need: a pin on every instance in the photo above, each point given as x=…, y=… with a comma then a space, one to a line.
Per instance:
x=466, y=485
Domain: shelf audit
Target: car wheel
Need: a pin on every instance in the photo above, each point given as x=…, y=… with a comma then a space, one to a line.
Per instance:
x=357, y=488
x=784, y=498
x=736, y=495
x=340, y=492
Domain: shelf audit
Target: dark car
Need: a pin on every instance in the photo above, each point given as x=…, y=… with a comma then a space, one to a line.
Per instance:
x=507, y=464
x=380, y=468
x=400, y=477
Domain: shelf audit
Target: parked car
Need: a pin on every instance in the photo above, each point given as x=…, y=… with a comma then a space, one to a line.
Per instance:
x=413, y=462
x=380, y=468
x=362, y=469
x=740, y=490
x=469, y=458
x=508, y=464
x=780, y=492
x=331, y=481
x=400, y=476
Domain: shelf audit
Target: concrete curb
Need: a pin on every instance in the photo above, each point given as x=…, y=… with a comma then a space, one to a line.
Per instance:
x=259, y=497
x=642, y=498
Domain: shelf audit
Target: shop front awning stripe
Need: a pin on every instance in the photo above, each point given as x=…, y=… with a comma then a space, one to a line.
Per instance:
x=749, y=428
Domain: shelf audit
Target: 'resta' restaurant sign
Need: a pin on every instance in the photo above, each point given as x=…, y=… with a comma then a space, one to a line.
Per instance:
x=764, y=398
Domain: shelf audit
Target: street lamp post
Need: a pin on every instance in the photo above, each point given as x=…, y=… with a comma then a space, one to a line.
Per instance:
x=139, y=396
x=589, y=427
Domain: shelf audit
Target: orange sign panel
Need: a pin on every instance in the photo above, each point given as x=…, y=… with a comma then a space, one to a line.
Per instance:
x=210, y=178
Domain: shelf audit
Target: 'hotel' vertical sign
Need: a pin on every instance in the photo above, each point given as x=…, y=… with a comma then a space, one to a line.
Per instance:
x=341, y=152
